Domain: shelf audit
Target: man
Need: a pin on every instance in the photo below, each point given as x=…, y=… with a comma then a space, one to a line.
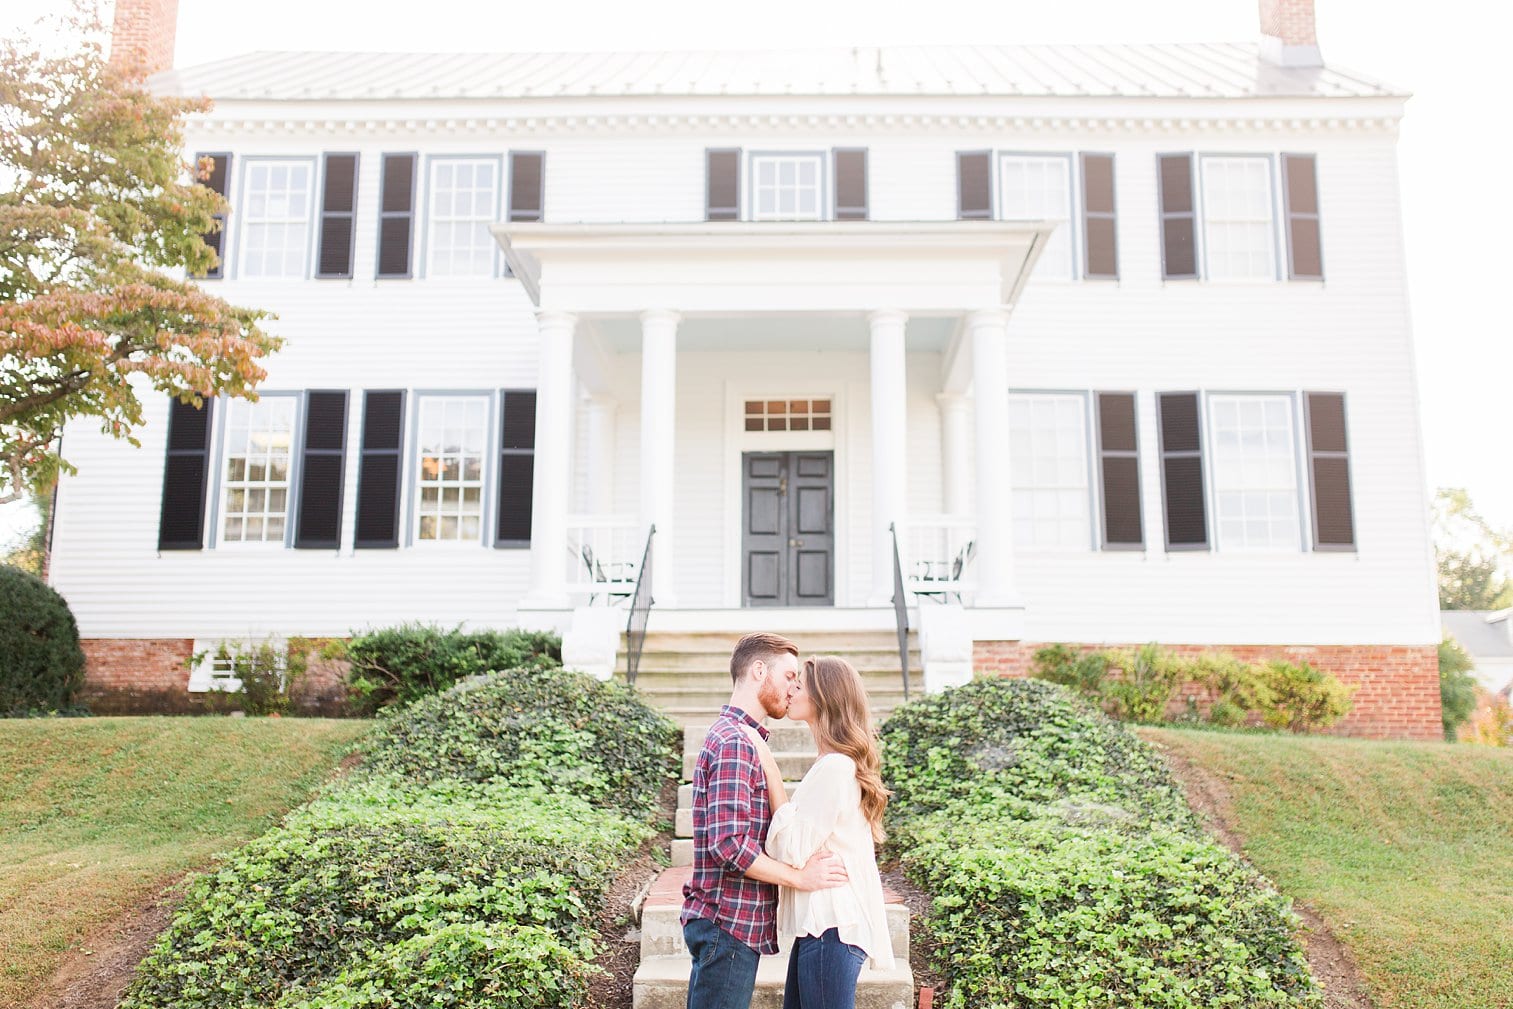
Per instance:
x=730, y=905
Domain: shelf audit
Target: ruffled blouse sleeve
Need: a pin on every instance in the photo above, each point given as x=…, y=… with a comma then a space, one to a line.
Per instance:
x=801, y=826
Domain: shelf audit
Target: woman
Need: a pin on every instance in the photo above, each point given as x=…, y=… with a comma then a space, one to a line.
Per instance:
x=838, y=806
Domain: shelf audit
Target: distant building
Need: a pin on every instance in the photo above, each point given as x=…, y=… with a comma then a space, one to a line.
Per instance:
x=1487, y=636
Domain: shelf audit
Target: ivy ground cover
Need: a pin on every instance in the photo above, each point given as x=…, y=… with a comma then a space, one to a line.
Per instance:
x=458, y=868
x=1067, y=869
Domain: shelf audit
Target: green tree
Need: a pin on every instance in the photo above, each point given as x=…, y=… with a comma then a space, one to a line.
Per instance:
x=1457, y=690
x=29, y=551
x=99, y=216
x=1473, y=556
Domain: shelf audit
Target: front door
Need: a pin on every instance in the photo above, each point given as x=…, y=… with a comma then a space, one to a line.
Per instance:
x=788, y=531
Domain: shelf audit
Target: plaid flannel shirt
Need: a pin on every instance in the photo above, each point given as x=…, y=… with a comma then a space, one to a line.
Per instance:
x=731, y=814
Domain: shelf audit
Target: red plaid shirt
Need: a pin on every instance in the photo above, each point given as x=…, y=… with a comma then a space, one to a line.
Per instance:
x=731, y=814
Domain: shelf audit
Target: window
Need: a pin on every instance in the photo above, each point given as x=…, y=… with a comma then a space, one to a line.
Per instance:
x=788, y=415
x=1255, y=472
x=1238, y=227
x=259, y=437
x=276, y=218
x=214, y=670
x=464, y=202
x=451, y=439
x=1039, y=188
x=787, y=187
x=1048, y=470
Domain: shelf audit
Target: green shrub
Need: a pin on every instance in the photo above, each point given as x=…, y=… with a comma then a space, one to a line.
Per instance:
x=1148, y=677
x=1457, y=689
x=397, y=665
x=1301, y=698
x=41, y=663
x=1077, y=668
x=549, y=728
x=267, y=673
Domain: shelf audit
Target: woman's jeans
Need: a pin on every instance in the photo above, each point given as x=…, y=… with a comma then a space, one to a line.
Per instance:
x=822, y=973
x=723, y=975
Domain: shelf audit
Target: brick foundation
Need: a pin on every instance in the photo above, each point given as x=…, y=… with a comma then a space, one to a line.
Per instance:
x=1397, y=686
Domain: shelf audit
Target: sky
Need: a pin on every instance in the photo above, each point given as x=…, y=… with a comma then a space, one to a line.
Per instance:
x=1457, y=216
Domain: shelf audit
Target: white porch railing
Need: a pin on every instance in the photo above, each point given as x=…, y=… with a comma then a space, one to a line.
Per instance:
x=604, y=556
x=937, y=555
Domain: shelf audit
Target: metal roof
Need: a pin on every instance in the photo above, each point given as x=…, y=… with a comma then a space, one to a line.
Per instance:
x=1482, y=633
x=1219, y=70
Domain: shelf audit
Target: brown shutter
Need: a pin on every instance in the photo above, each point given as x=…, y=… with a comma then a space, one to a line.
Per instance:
x=1329, y=472
x=1305, y=260
x=322, y=470
x=220, y=171
x=186, y=471
x=1179, y=255
x=1119, y=463
x=396, y=215
x=974, y=186
x=337, y=213
x=1182, y=471
x=722, y=185
x=378, y=471
x=851, y=185
x=517, y=462
x=527, y=185
x=1098, y=232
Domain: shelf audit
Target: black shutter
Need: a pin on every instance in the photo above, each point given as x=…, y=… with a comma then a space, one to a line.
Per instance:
x=1179, y=221
x=220, y=171
x=1305, y=260
x=974, y=186
x=1100, y=239
x=1182, y=472
x=851, y=185
x=527, y=185
x=378, y=471
x=338, y=210
x=186, y=472
x=722, y=185
x=1329, y=472
x=1119, y=465
x=517, y=465
x=322, y=468
x=396, y=215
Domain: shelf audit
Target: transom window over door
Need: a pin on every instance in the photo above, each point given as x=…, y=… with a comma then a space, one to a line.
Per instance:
x=276, y=218
x=787, y=187
x=464, y=202
x=1238, y=228
x=1039, y=188
x=1048, y=470
x=1255, y=472
x=452, y=442
x=259, y=437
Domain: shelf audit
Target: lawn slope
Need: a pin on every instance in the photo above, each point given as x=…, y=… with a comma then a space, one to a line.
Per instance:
x=1404, y=849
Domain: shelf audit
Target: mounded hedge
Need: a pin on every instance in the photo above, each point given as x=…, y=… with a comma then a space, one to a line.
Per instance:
x=41, y=662
x=397, y=665
x=1067, y=869
x=453, y=869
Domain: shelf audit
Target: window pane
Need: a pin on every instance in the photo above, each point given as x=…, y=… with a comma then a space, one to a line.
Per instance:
x=1048, y=471
x=463, y=198
x=1237, y=219
x=1255, y=473
x=450, y=467
x=787, y=187
x=1040, y=189
x=276, y=219
x=259, y=437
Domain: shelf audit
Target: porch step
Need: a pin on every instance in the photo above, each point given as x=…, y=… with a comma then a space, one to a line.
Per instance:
x=685, y=796
x=810, y=642
x=794, y=764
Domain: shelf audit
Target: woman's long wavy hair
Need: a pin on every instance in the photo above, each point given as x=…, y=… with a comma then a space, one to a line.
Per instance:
x=843, y=723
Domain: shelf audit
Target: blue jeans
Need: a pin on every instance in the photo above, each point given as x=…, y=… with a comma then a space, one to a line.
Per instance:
x=724, y=968
x=822, y=973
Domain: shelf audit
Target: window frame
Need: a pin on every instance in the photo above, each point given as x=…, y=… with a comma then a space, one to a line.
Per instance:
x=1301, y=487
x=1091, y=477
x=824, y=182
x=215, y=538
x=243, y=182
x=1075, y=268
x=1200, y=215
x=427, y=249
x=410, y=470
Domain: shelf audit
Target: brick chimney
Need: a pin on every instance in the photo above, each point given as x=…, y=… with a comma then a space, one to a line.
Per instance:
x=143, y=34
x=1287, y=35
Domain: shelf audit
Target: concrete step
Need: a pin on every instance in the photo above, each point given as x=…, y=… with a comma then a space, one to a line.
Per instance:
x=687, y=674
x=662, y=932
x=793, y=763
x=781, y=735
x=718, y=663
x=685, y=794
x=814, y=642
x=661, y=982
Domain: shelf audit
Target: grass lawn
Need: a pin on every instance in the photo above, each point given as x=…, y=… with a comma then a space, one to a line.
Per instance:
x=1405, y=849
x=97, y=814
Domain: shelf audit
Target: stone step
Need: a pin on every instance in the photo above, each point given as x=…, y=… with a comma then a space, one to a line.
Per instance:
x=793, y=763
x=781, y=735
x=685, y=795
x=662, y=932
x=868, y=662
x=815, y=642
x=879, y=697
x=661, y=982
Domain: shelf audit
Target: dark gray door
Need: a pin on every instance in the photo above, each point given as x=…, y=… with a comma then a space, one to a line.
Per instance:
x=788, y=529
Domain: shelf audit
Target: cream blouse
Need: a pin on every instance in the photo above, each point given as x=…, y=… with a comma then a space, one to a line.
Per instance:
x=825, y=811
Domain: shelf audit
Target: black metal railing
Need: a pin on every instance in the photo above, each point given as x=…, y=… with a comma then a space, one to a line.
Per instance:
x=900, y=610
x=640, y=610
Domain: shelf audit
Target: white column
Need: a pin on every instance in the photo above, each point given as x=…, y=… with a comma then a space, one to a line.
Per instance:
x=990, y=397
x=659, y=381
x=889, y=426
x=955, y=438
x=553, y=462
x=600, y=437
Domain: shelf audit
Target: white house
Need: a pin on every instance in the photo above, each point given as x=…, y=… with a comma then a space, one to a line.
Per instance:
x=1116, y=337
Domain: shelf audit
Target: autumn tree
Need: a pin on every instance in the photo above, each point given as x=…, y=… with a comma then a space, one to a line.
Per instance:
x=1473, y=556
x=100, y=219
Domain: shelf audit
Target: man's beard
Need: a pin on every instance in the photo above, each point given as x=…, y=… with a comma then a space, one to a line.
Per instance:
x=774, y=700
